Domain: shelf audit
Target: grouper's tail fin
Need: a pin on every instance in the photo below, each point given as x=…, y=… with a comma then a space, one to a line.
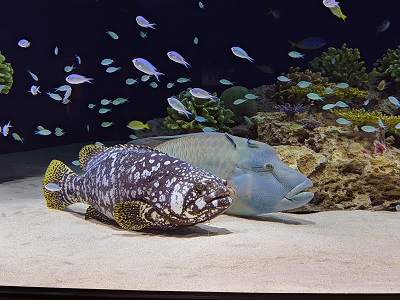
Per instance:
x=54, y=183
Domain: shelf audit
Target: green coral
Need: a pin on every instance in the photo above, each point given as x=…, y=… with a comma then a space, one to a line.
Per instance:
x=338, y=93
x=388, y=67
x=213, y=110
x=281, y=92
x=360, y=116
x=341, y=65
x=6, y=75
x=248, y=108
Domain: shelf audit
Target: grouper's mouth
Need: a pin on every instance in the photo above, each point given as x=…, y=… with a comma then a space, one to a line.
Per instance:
x=297, y=195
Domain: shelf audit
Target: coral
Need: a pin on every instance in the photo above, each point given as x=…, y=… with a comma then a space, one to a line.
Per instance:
x=248, y=108
x=338, y=93
x=341, y=65
x=333, y=158
x=281, y=94
x=213, y=110
x=388, y=67
x=290, y=110
x=309, y=124
x=6, y=75
x=360, y=116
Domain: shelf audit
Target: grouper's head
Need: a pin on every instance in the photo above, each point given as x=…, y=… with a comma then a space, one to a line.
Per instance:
x=185, y=195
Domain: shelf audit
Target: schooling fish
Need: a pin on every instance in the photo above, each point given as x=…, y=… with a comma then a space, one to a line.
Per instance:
x=262, y=182
x=137, y=187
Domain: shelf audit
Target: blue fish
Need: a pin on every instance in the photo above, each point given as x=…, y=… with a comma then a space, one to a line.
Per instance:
x=309, y=43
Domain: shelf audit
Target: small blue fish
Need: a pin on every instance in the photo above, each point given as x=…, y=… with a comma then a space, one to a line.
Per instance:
x=380, y=123
x=368, y=128
x=314, y=96
x=333, y=61
x=284, y=79
x=200, y=119
x=366, y=102
x=397, y=126
x=239, y=52
x=343, y=121
x=239, y=101
x=328, y=106
x=309, y=43
x=276, y=13
x=381, y=28
x=342, y=85
x=341, y=104
x=394, y=100
x=209, y=129
x=329, y=90
x=304, y=84
x=295, y=54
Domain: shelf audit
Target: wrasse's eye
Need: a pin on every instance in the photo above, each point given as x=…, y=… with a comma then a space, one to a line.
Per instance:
x=268, y=167
x=200, y=187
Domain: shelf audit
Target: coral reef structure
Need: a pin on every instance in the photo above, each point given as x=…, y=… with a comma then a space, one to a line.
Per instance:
x=388, y=67
x=281, y=93
x=341, y=65
x=213, y=110
x=347, y=168
x=6, y=75
x=248, y=108
x=362, y=117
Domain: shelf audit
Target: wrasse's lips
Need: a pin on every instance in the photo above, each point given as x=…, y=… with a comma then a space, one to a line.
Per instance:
x=298, y=189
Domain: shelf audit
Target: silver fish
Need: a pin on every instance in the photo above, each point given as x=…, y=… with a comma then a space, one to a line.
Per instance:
x=262, y=182
x=137, y=187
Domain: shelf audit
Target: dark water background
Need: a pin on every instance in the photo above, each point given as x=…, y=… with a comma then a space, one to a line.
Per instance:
x=79, y=26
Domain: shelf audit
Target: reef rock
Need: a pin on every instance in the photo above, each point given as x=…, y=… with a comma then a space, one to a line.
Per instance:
x=348, y=170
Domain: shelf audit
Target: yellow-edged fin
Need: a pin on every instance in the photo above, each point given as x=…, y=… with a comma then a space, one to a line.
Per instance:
x=57, y=172
x=130, y=215
x=92, y=213
x=87, y=153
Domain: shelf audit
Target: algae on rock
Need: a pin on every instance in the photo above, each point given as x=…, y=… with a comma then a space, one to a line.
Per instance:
x=213, y=110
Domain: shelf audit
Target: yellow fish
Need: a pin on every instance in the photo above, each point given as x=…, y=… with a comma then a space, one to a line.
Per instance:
x=338, y=12
x=137, y=125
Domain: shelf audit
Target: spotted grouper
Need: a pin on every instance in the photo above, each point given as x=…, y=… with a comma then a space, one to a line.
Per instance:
x=263, y=183
x=138, y=187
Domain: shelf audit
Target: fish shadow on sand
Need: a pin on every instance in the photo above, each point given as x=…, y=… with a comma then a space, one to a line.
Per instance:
x=279, y=218
x=198, y=230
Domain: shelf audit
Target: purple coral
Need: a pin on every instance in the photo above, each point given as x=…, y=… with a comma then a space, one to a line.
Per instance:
x=380, y=148
x=290, y=110
x=309, y=124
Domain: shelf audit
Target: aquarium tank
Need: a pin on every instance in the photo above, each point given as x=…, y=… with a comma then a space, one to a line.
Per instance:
x=172, y=148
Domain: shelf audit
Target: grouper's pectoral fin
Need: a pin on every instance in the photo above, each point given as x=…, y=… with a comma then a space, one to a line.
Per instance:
x=92, y=213
x=131, y=215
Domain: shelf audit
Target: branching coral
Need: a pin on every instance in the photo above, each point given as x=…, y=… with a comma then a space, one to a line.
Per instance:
x=248, y=108
x=213, y=110
x=360, y=116
x=341, y=65
x=388, y=67
x=281, y=93
x=6, y=75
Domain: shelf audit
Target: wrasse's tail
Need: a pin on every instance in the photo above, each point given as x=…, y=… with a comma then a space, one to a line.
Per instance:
x=54, y=182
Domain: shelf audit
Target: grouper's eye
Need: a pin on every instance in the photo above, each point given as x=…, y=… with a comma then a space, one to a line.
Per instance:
x=200, y=187
x=268, y=167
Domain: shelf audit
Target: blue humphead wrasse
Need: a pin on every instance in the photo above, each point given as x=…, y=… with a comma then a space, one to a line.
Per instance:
x=261, y=181
x=137, y=187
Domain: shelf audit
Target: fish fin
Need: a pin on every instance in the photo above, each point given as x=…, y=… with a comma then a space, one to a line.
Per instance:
x=293, y=44
x=153, y=142
x=57, y=172
x=230, y=139
x=131, y=215
x=92, y=213
x=87, y=153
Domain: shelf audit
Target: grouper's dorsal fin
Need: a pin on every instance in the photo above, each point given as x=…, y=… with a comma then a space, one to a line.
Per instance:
x=87, y=153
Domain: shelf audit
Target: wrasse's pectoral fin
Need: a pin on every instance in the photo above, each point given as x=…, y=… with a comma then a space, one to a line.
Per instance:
x=92, y=213
x=131, y=215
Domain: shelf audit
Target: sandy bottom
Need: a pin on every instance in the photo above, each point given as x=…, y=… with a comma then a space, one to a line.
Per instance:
x=352, y=251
